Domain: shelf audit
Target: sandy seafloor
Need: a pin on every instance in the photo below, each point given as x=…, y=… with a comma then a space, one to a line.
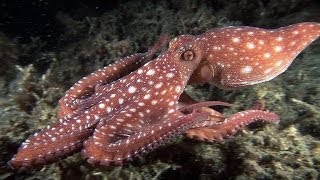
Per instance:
x=46, y=46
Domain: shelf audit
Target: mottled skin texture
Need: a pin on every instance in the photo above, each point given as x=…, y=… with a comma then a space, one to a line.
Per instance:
x=129, y=108
x=146, y=111
x=243, y=56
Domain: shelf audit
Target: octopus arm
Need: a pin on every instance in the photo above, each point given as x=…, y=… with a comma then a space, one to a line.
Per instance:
x=86, y=86
x=213, y=131
x=142, y=141
x=50, y=144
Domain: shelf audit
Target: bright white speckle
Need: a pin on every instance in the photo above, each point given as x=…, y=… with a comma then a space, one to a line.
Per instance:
x=267, y=71
x=266, y=55
x=163, y=92
x=171, y=103
x=246, y=69
x=170, y=75
x=102, y=106
x=132, y=89
x=154, y=102
x=150, y=72
x=278, y=63
x=128, y=115
x=250, y=45
x=53, y=139
x=141, y=114
x=178, y=89
x=261, y=42
x=128, y=141
x=278, y=49
x=147, y=96
x=120, y=120
x=158, y=85
x=108, y=109
x=235, y=40
x=279, y=38
x=216, y=48
x=151, y=82
x=120, y=100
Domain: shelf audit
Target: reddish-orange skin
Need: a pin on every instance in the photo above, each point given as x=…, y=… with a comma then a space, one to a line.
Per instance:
x=131, y=107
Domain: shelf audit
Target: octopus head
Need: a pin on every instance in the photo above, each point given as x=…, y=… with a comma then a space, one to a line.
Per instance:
x=240, y=56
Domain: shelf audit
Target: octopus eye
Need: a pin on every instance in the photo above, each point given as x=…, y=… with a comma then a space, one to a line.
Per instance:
x=188, y=55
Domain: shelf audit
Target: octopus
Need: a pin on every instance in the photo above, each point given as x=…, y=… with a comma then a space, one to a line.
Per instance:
x=131, y=107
